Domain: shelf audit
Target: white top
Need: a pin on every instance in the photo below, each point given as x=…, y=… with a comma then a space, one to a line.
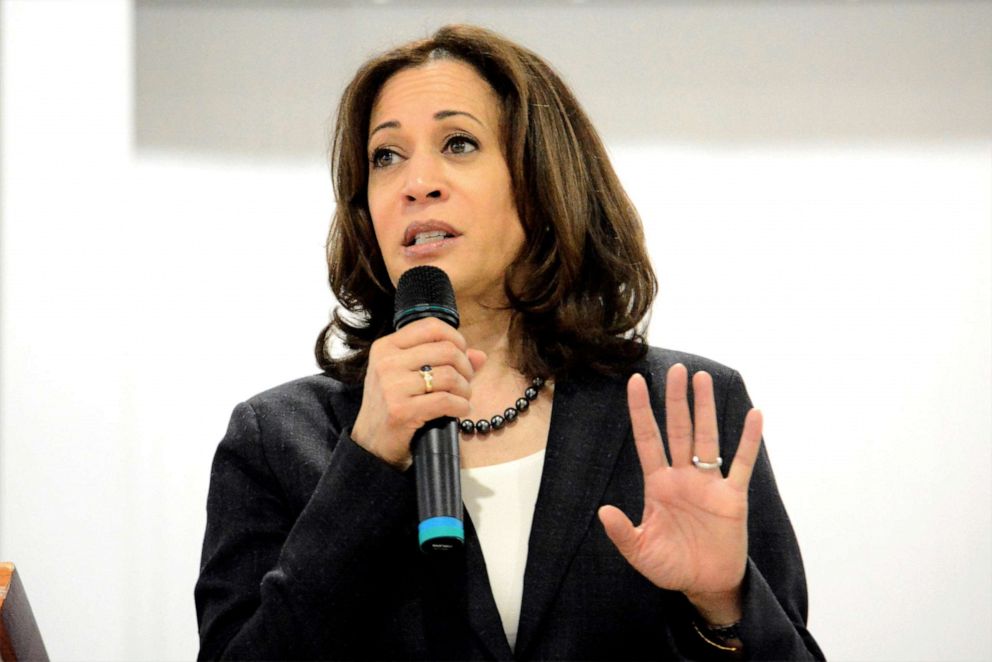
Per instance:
x=500, y=499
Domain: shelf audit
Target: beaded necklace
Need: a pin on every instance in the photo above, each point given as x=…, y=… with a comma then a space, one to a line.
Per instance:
x=483, y=426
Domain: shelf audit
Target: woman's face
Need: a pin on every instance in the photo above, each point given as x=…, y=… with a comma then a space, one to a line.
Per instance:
x=439, y=187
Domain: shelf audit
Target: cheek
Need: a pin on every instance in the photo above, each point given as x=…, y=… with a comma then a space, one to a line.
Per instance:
x=379, y=190
x=504, y=207
x=380, y=218
x=375, y=207
x=513, y=229
x=380, y=229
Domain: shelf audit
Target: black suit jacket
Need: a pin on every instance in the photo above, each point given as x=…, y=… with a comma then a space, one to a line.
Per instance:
x=310, y=548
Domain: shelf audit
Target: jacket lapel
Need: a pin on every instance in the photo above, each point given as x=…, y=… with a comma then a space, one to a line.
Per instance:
x=483, y=616
x=589, y=423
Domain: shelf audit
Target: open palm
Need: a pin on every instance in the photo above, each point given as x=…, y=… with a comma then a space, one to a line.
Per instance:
x=693, y=532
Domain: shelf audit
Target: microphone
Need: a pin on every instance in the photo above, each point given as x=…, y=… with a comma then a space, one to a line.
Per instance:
x=426, y=292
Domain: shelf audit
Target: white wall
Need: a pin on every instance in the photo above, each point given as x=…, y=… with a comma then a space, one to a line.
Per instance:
x=816, y=183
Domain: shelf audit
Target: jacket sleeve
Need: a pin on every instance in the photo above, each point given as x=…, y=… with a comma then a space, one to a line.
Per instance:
x=277, y=584
x=775, y=600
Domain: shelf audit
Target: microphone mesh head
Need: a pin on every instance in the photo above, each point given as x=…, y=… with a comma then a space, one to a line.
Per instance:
x=425, y=291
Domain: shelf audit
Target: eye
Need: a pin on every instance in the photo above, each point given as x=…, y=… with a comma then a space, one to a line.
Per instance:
x=461, y=145
x=383, y=157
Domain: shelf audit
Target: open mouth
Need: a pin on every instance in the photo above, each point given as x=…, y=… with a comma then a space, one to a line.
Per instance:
x=430, y=237
x=429, y=232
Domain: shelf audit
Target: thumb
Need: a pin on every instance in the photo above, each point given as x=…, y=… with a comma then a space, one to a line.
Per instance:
x=620, y=530
x=476, y=357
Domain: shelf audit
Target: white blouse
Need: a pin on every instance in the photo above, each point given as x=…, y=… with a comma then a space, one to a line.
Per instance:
x=500, y=498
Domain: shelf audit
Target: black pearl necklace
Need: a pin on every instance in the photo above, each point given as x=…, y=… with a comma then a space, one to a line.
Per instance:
x=482, y=426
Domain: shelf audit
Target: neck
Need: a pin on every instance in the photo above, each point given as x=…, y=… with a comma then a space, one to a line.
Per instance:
x=497, y=384
x=488, y=329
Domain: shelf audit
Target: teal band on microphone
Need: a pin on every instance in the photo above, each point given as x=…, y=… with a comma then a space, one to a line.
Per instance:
x=441, y=527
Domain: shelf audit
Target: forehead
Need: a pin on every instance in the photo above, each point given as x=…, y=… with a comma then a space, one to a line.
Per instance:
x=437, y=85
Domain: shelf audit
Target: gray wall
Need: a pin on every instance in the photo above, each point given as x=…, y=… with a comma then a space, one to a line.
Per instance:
x=252, y=78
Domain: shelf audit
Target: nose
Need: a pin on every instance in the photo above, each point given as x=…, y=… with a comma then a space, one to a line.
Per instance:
x=424, y=180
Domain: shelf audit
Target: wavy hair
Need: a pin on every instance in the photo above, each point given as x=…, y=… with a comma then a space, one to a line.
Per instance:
x=582, y=285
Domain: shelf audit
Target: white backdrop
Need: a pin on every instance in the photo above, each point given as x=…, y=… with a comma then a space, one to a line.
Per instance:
x=816, y=183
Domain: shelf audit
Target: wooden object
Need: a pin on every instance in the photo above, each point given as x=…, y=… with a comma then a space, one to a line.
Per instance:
x=20, y=640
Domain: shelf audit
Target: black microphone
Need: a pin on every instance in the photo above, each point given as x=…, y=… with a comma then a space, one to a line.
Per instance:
x=426, y=292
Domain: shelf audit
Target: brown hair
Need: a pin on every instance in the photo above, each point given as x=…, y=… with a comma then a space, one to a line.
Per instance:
x=582, y=284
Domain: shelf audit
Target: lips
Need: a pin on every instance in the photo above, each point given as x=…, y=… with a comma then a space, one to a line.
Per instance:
x=424, y=232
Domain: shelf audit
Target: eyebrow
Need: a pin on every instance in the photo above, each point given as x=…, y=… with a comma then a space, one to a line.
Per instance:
x=439, y=115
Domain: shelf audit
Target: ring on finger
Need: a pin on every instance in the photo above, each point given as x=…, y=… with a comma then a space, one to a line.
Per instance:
x=707, y=466
x=428, y=375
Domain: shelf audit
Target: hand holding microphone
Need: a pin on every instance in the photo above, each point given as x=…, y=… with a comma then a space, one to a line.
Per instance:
x=396, y=403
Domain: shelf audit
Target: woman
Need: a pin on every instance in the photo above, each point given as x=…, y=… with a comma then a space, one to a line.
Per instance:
x=467, y=152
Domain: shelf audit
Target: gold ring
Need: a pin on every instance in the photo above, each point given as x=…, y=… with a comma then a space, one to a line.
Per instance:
x=428, y=376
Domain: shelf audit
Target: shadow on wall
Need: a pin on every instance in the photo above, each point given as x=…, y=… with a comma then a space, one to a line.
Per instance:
x=252, y=78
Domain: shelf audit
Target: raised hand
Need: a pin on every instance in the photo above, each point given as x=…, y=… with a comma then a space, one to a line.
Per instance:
x=395, y=400
x=693, y=533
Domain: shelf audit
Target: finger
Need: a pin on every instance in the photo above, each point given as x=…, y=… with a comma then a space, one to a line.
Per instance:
x=620, y=530
x=442, y=379
x=705, y=437
x=437, y=405
x=427, y=330
x=677, y=421
x=747, y=451
x=436, y=354
x=647, y=438
x=477, y=358
x=415, y=412
x=401, y=368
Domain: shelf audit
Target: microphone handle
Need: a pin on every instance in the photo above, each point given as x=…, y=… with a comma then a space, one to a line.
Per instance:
x=439, y=488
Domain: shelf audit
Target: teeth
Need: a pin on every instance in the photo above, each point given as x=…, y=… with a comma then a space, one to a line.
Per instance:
x=428, y=237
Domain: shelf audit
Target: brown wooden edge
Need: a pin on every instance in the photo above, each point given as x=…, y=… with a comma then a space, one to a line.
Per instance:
x=20, y=639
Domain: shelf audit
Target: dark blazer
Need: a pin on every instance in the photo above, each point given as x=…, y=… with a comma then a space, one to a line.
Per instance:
x=310, y=548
